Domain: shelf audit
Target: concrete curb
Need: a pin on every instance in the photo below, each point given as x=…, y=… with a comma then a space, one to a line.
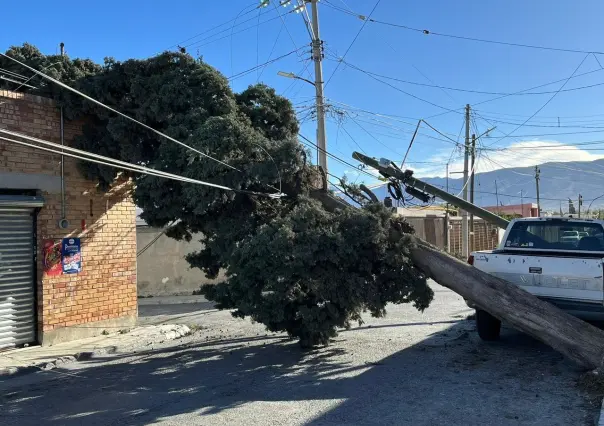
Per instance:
x=165, y=332
x=43, y=366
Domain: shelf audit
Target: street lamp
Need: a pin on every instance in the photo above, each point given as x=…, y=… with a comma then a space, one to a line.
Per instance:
x=592, y=201
x=294, y=76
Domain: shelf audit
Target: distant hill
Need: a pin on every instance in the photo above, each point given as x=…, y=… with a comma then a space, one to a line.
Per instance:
x=559, y=182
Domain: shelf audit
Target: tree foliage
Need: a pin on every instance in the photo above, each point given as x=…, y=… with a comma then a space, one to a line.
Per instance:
x=289, y=263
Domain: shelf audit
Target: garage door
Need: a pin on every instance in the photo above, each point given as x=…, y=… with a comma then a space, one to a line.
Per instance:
x=17, y=276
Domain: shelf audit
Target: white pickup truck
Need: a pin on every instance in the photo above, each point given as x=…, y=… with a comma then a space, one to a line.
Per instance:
x=559, y=260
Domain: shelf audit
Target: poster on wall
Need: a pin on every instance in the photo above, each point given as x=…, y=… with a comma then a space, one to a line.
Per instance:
x=51, y=258
x=71, y=255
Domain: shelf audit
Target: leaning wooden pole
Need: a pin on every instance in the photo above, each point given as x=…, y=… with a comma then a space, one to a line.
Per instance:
x=572, y=337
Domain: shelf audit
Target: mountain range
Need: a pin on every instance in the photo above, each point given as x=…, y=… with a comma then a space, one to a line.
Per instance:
x=558, y=183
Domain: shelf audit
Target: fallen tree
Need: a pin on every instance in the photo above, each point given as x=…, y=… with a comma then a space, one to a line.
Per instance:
x=296, y=265
x=288, y=262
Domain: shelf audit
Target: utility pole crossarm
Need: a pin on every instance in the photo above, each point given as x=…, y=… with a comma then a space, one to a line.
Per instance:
x=407, y=178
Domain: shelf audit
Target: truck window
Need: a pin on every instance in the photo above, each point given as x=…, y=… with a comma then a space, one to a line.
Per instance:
x=556, y=235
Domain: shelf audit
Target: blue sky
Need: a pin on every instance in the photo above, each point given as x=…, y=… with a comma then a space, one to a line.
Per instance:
x=139, y=29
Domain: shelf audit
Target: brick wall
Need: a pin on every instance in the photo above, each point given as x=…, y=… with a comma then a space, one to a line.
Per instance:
x=103, y=295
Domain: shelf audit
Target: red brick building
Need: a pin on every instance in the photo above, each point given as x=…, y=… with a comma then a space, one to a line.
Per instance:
x=524, y=210
x=42, y=207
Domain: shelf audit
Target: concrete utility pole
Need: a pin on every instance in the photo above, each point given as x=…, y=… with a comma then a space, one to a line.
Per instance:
x=537, y=173
x=464, y=214
x=472, y=192
x=580, y=204
x=447, y=233
x=497, y=198
x=317, y=55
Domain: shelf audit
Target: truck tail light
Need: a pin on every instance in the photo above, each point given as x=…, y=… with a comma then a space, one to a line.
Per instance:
x=471, y=260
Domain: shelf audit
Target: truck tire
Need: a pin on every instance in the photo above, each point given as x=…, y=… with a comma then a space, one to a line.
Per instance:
x=487, y=325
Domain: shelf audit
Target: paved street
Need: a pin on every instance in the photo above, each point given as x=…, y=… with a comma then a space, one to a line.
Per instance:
x=408, y=368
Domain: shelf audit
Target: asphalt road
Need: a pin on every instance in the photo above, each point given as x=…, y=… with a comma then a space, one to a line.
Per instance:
x=409, y=368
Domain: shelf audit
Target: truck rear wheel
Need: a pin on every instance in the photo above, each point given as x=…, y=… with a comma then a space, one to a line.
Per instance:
x=487, y=325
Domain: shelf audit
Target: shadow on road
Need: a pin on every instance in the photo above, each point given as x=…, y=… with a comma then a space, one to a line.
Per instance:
x=449, y=378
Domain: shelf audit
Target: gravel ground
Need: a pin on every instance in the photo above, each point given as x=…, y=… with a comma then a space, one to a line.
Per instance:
x=408, y=368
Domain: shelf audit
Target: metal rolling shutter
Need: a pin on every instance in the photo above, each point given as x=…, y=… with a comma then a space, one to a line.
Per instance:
x=17, y=275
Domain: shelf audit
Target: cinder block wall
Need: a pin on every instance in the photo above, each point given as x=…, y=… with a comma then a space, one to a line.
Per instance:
x=103, y=296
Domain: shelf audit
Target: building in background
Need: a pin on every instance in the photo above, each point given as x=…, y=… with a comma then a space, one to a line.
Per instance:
x=67, y=250
x=522, y=210
x=162, y=266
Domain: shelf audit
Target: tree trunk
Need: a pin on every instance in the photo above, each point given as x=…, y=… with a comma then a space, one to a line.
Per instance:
x=572, y=337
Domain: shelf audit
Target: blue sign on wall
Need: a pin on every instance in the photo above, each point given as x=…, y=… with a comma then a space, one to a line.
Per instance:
x=71, y=255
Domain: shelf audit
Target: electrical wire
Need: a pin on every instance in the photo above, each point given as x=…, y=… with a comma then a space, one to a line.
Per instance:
x=154, y=240
x=545, y=104
x=65, y=86
x=108, y=161
x=374, y=138
x=335, y=157
x=17, y=82
x=272, y=51
x=409, y=94
x=354, y=141
x=379, y=123
x=13, y=74
x=482, y=92
x=216, y=26
x=208, y=41
x=352, y=43
x=290, y=37
x=251, y=70
x=454, y=36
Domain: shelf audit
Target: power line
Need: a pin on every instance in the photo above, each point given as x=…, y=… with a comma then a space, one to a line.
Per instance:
x=290, y=37
x=439, y=132
x=111, y=162
x=549, y=126
x=386, y=125
x=482, y=92
x=545, y=104
x=216, y=26
x=353, y=140
x=373, y=137
x=116, y=111
x=272, y=49
x=454, y=36
x=352, y=43
x=408, y=94
x=99, y=159
x=250, y=70
x=197, y=43
x=335, y=157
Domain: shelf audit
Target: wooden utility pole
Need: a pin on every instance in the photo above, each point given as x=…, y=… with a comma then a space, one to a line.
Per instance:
x=464, y=213
x=580, y=204
x=473, y=152
x=537, y=173
x=572, y=337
